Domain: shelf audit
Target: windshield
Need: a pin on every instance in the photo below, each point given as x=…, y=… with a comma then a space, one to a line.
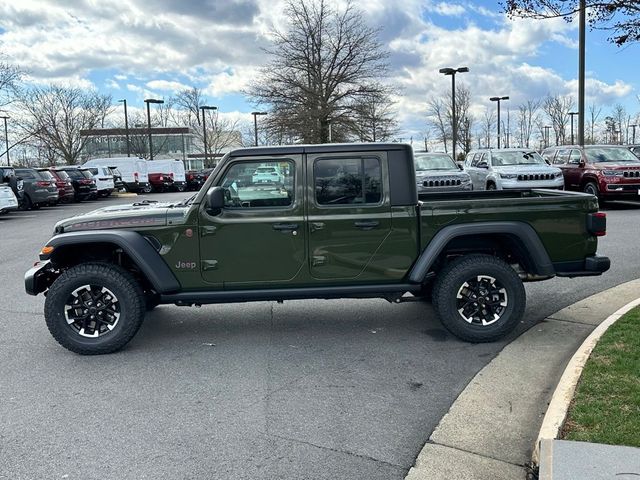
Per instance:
x=62, y=174
x=505, y=159
x=86, y=173
x=610, y=154
x=434, y=162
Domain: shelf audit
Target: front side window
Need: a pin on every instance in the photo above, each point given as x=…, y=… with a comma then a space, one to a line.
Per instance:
x=348, y=181
x=575, y=157
x=259, y=184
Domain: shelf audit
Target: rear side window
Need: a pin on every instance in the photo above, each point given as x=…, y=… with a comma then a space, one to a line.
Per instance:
x=575, y=157
x=86, y=173
x=45, y=175
x=347, y=181
x=562, y=157
x=25, y=173
x=73, y=173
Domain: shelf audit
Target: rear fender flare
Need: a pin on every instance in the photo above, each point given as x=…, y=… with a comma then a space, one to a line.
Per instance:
x=538, y=255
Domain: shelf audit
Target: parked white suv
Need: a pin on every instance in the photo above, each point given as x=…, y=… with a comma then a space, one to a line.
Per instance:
x=104, y=180
x=8, y=200
x=511, y=168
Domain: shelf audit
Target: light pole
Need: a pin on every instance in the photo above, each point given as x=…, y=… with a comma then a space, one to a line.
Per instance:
x=546, y=135
x=633, y=132
x=498, y=99
x=255, y=124
x=581, y=70
x=454, y=127
x=126, y=126
x=148, y=101
x=571, y=114
x=204, y=129
x=6, y=138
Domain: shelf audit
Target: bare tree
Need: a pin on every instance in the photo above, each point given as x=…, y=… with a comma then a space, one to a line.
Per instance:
x=527, y=114
x=56, y=115
x=594, y=113
x=487, y=126
x=557, y=108
x=10, y=75
x=618, y=16
x=623, y=121
x=441, y=118
x=374, y=119
x=322, y=65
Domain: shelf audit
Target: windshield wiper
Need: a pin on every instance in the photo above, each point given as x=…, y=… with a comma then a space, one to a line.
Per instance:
x=185, y=201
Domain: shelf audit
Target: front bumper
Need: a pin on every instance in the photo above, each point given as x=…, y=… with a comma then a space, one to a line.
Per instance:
x=507, y=184
x=39, y=277
x=590, y=266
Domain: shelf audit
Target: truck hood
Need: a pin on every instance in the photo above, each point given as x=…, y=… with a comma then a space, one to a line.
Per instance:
x=617, y=165
x=122, y=216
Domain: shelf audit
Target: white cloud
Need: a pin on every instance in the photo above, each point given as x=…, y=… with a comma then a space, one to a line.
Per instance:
x=166, y=85
x=452, y=9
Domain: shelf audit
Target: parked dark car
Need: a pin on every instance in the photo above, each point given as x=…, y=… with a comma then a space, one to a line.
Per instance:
x=8, y=176
x=39, y=190
x=63, y=182
x=118, y=183
x=196, y=178
x=83, y=183
x=607, y=171
x=161, y=182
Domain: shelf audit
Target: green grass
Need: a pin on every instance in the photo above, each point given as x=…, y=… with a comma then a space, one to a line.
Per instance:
x=606, y=405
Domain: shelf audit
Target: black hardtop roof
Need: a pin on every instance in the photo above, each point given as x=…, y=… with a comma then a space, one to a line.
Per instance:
x=322, y=148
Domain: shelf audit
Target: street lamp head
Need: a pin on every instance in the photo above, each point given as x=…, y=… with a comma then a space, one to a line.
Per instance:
x=207, y=107
x=462, y=69
x=258, y=113
x=494, y=99
x=122, y=100
x=504, y=98
x=447, y=71
x=153, y=100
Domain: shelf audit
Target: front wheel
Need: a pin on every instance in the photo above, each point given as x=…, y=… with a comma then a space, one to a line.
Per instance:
x=479, y=298
x=94, y=308
x=590, y=187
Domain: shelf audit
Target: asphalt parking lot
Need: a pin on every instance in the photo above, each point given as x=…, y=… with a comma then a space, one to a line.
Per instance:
x=305, y=389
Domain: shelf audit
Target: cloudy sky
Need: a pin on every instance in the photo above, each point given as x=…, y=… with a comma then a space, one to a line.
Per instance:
x=138, y=48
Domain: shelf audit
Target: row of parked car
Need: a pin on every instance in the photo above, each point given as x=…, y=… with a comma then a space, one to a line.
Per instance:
x=607, y=171
x=32, y=188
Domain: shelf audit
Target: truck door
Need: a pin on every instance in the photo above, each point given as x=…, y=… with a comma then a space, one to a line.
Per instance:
x=259, y=236
x=349, y=212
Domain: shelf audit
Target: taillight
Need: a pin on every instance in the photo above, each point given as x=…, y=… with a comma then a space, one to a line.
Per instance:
x=171, y=175
x=597, y=224
x=43, y=184
x=135, y=176
x=161, y=178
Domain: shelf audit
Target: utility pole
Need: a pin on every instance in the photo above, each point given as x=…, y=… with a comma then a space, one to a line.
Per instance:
x=148, y=101
x=204, y=129
x=6, y=138
x=255, y=124
x=126, y=126
x=498, y=99
x=454, y=125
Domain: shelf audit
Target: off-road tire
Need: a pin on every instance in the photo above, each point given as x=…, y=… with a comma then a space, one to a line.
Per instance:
x=129, y=295
x=450, y=282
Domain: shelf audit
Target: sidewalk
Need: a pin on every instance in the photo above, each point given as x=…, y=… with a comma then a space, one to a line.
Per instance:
x=490, y=430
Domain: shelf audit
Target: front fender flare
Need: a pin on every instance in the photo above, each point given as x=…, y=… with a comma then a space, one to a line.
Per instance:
x=140, y=250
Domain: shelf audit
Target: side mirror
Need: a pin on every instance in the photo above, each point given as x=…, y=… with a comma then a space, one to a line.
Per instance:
x=460, y=166
x=483, y=165
x=215, y=200
x=581, y=164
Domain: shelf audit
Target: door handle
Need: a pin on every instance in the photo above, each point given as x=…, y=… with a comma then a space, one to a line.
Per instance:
x=366, y=225
x=285, y=226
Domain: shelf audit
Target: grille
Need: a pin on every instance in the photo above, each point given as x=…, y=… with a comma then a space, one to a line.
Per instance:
x=441, y=183
x=536, y=176
x=632, y=174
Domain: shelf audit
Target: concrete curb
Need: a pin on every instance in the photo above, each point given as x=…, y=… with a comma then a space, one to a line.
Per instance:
x=491, y=428
x=559, y=405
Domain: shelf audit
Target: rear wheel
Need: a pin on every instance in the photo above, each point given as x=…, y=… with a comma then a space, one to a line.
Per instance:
x=479, y=298
x=94, y=308
x=147, y=188
x=491, y=186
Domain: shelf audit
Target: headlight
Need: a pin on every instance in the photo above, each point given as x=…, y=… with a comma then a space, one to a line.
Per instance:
x=612, y=173
x=466, y=180
x=510, y=176
x=558, y=174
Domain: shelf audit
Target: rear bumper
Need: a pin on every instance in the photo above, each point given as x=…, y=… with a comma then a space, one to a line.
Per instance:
x=590, y=266
x=8, y=208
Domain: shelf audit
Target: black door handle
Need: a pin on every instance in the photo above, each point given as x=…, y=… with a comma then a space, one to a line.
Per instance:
x=285, y=226
x=366, y=225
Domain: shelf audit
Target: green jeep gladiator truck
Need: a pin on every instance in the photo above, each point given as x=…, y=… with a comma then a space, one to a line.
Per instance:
x=317, y=221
